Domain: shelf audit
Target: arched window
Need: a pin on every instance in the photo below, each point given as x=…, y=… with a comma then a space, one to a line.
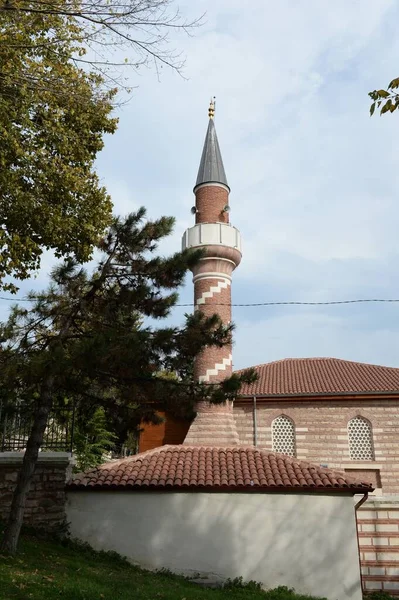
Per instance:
x=283, y=435
x=360, y=439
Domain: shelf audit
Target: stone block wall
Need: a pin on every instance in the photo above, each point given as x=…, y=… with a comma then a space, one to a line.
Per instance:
x=45, y=506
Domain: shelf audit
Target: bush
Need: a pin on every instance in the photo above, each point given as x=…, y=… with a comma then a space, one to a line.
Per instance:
x=253, y=586
x=284, y=593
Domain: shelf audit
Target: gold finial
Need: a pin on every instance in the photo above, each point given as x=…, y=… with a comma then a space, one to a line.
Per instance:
x=211, y=109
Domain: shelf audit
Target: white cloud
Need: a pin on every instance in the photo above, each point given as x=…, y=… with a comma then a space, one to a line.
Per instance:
x=314, y=179
x=306, y=333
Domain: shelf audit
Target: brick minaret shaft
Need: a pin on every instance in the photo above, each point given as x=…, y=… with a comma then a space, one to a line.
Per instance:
x=212, y=277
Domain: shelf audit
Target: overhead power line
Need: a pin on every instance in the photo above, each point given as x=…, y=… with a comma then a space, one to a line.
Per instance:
x=297, y=303
x=280, y=303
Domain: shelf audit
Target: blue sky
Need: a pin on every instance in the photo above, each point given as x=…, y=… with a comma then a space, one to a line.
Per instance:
x=314, y=180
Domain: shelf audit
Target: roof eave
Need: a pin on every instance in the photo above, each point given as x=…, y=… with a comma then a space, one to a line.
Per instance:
x=351, y=491
x=211, y=182
x=319, y=394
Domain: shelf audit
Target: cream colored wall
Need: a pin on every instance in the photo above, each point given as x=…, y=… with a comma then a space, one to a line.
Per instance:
x=303, y=541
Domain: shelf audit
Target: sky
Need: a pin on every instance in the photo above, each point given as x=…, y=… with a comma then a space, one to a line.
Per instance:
x=314, y=180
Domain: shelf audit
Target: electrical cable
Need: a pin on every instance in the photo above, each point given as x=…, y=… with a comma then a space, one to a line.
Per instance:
x=279, y=303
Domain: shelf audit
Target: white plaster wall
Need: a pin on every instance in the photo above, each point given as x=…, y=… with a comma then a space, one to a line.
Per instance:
x=307, y=542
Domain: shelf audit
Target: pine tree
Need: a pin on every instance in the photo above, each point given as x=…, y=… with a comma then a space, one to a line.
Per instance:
x=92, y=440
x=87, y=337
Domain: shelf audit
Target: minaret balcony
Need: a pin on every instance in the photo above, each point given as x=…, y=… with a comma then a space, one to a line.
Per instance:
x=212, y=234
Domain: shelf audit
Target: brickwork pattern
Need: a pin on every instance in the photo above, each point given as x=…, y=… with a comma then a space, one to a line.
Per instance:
x=321, y=431
x=212, y=294
x=210, y=201
x=214, y=425
x=213, y=358
x=210, y=290
x=45, y=505
x=213, y=304
x=322, y=438
x=378, y=533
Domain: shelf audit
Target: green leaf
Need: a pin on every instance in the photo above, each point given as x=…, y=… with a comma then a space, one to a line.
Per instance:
x=372, y=109
x=52, y=126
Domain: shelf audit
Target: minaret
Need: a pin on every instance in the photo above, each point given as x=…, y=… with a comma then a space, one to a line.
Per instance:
x=212, y=277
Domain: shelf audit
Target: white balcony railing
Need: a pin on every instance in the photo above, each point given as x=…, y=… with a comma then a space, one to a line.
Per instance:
x=212, y=233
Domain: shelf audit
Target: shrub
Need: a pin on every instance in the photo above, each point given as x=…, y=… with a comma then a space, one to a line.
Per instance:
x=253, y=586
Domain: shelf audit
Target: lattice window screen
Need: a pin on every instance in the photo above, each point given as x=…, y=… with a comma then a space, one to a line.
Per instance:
x=283, y=436
x=360, y=439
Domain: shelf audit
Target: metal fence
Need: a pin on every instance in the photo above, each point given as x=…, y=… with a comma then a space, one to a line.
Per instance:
x=16, y=424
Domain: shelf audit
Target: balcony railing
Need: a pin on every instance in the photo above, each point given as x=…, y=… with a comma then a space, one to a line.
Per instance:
x=212, y=233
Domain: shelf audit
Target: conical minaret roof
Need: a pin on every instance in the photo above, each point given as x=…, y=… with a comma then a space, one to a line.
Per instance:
x=211, y=169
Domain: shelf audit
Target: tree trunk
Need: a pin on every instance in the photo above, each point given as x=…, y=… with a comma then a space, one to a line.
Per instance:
x=13, y=528
x=14, y=524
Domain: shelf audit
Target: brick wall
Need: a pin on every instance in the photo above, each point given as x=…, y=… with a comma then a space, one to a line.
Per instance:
x=45, y=506
x=321, y=428
x=210, y=200
x=378, y=532
x=213, y=355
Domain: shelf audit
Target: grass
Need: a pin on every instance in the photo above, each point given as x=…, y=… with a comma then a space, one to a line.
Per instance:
x=48, y=570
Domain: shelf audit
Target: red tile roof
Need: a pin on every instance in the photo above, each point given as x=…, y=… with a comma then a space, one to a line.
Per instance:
x=197, y=467
x=295, y=376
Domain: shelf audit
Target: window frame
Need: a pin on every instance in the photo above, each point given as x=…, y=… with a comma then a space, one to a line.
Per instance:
x=294, y=445
x=364, y=459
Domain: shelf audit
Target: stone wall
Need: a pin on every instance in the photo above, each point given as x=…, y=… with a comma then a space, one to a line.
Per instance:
x=45, y=506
